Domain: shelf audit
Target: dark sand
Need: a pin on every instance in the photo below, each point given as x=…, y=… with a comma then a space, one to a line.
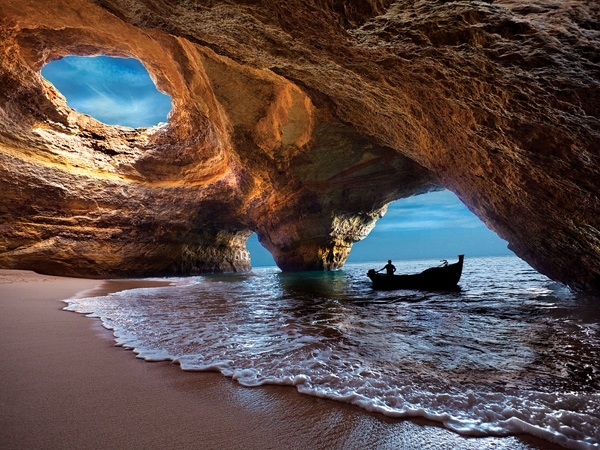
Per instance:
x=64, y=385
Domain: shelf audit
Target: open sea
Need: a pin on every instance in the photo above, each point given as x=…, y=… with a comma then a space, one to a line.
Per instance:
x=511, y=352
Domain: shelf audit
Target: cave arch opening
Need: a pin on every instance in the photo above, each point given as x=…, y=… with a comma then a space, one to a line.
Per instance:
x=114, y=90
x=434, y=225
x=259, y=256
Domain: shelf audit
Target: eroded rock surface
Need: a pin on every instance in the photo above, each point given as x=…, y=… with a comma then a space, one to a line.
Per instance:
x=301, y=121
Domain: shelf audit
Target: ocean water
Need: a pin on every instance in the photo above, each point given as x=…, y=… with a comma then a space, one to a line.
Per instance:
x=511, y=352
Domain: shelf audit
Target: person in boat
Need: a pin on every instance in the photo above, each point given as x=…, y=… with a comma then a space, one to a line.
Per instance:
x=389, y=268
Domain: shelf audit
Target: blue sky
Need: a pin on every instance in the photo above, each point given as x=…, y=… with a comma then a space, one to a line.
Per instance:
x=116, y=91
x=433, y=225
x=119, y=91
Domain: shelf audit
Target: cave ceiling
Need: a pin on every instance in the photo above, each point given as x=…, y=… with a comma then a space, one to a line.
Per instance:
x=300, y=121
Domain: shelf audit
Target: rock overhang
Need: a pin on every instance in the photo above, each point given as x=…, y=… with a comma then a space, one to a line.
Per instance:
x=302, y=129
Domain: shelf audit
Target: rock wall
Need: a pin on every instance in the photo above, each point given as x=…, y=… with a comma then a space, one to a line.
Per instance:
x=301, y=121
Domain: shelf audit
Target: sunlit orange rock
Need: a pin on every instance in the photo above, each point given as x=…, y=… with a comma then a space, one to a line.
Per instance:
x=301, y=121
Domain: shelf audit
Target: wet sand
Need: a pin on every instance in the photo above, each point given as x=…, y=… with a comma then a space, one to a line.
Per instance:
x=64, y=385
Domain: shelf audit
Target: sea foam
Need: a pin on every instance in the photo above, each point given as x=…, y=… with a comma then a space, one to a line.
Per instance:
x=510, y=353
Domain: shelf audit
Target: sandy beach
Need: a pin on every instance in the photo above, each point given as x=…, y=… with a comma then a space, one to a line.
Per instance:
x=64, y=385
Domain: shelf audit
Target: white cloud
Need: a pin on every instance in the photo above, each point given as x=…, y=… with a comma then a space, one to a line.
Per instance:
x=116, y=91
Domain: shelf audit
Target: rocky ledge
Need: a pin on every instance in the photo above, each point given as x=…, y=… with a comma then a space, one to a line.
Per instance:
x=301, y=121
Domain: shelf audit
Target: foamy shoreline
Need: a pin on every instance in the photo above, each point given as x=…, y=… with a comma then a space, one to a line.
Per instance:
x=65, y=385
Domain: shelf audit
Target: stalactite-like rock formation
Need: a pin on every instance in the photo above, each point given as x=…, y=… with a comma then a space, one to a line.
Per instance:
x=301, y=121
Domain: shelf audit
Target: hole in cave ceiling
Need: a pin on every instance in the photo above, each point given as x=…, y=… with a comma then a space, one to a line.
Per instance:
x=115, y=91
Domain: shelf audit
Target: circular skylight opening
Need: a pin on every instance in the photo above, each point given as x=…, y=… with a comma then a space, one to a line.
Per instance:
x=115, y=91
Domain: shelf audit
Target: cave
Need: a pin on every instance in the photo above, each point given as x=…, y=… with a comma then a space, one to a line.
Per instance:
x=300, y=124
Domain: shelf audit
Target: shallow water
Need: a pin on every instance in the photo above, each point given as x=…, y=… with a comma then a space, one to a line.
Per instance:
x=511, y=352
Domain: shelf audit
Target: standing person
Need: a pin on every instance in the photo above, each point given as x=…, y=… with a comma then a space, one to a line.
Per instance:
x=389, y=267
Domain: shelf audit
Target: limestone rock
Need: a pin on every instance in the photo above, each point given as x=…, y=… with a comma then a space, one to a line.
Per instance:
x=301, y=121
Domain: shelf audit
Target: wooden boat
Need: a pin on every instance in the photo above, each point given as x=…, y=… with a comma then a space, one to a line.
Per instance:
x=441, y=278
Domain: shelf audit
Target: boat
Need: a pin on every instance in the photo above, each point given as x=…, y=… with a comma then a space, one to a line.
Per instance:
x=442, y=278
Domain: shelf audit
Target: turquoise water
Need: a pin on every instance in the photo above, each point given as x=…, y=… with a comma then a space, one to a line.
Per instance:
x=511, y=352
